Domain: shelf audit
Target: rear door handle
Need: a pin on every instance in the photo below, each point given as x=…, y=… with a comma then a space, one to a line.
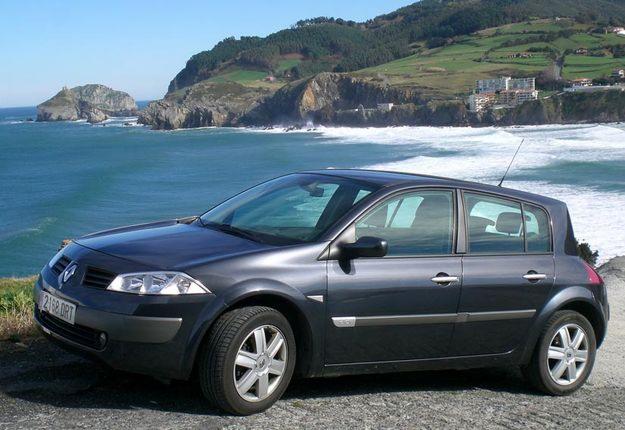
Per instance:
x=439, y=279
x=533, y=276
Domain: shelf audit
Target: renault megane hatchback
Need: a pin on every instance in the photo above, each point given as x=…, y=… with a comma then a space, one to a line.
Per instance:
x=334, y=272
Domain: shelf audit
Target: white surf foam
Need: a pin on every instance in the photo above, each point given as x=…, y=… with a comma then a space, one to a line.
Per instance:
x=482, y=154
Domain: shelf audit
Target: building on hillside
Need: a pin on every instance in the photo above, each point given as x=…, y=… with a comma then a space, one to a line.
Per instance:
x=481, y=101
x=510, y=99
x=386, y=107
x=270, y=78
x=581, y=51
x=505, y=83
x=618, y=73
x=521, y=55
x=582, y=82
x=618, y=30
x=504, y=92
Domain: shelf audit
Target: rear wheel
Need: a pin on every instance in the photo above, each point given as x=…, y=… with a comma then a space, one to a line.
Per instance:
x=248, y=360
x=564, y=355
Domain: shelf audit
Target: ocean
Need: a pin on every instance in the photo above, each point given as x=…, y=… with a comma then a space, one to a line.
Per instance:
x=63, y=180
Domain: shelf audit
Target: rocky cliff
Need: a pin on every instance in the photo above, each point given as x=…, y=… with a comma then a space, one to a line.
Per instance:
x=350, y=100
x=566, y=108
x=204, y=104
x=322, y=98
x=92, y=102
x=341, y=99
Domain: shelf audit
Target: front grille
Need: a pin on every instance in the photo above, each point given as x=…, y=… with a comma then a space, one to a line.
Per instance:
x=60, y=265
x=97, y=278
x=80, y=334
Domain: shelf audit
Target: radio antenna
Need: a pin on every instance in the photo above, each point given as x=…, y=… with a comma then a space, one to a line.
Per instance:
x=511, y=161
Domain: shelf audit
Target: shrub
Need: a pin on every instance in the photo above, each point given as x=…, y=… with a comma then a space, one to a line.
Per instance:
x=587, y=254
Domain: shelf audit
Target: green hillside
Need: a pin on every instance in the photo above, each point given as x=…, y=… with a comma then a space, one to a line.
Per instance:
x=328, y=44
x=523, y=49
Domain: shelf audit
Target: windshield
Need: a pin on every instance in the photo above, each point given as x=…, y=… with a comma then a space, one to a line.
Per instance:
x=292, y=209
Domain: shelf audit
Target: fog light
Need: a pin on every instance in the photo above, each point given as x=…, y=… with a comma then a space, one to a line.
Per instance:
x=103, y=339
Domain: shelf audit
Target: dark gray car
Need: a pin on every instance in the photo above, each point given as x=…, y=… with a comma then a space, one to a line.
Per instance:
x=334, y=272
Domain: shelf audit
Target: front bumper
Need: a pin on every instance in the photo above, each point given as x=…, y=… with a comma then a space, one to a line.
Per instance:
x=153, y=335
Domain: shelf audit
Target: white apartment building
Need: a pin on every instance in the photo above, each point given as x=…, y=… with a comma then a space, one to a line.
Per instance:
x=505, y=83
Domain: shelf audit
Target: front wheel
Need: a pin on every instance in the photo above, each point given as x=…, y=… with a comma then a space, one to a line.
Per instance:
x=564, y=355
x=248, y=359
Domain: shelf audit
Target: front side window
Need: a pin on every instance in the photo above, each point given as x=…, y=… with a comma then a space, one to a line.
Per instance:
x=291, y=209
x=417, y=223
x=494, y=225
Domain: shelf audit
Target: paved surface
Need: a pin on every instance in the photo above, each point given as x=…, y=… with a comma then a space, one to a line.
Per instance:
x=44, y=387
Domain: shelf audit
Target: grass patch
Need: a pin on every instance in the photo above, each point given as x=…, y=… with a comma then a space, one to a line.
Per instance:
x=247, y=78
x=16, y=308
x=287, y=64
x=578, y=66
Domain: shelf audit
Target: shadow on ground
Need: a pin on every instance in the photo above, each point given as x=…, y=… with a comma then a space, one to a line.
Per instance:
x=44, y=374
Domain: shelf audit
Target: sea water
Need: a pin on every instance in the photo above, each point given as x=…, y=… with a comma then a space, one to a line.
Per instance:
x=62, y=180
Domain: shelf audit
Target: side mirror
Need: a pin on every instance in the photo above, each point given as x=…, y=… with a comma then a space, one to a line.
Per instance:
x=366, y=246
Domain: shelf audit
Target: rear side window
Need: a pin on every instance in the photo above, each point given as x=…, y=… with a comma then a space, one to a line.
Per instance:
x=494, y=225
x=537, y=229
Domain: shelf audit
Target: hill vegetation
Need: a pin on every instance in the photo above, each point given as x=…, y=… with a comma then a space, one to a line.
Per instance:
x=329, y=44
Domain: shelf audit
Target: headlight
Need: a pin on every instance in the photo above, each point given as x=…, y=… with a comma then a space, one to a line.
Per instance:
x=163, y=283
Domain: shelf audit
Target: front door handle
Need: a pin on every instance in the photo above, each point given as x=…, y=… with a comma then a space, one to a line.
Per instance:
x=533, y=276
x=444, y=279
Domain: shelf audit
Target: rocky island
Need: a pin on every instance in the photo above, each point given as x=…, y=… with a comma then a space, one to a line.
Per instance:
x=417, y=65
x=92, y=102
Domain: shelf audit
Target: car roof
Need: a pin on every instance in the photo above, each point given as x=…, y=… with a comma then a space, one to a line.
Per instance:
x=387, y=179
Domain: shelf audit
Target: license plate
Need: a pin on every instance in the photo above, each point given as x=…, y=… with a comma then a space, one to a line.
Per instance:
x=60, y=308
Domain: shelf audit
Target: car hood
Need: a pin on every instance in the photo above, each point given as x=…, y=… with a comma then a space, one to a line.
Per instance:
x=169, y=244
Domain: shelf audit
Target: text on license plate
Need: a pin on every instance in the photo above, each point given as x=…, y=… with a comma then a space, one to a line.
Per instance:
x=61, y=309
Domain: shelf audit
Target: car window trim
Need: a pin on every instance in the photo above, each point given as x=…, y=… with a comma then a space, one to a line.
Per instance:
x=327, y=254
x=463, y=191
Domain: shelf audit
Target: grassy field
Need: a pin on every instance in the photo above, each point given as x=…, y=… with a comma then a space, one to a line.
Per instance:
x=453, y=69
x=16, y=308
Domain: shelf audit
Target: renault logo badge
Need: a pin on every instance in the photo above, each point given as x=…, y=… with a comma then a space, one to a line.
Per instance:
x=69, y=272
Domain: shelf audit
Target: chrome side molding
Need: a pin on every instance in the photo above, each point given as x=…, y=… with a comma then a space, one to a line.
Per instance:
x=463, y=317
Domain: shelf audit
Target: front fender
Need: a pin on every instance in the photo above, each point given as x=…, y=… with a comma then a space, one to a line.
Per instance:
x=249, y=289
x=565, y=298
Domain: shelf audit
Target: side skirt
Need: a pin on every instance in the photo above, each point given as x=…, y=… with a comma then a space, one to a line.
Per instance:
x=462, y=362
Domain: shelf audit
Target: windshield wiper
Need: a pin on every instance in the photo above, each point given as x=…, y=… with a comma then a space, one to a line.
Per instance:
x=227, y=228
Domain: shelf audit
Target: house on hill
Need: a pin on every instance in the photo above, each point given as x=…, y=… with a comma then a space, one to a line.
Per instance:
x=618, y=73
x=581, y=82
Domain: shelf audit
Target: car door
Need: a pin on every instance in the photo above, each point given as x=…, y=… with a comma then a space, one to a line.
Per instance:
x=508, y=272
x=401, y=306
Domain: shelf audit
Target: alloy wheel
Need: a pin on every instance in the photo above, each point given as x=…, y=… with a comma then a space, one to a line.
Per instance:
x=567, y=354
x=260, y=363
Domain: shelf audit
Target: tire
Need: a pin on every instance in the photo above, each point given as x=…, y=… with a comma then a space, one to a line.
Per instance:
x=542, y=372
x=230, y=355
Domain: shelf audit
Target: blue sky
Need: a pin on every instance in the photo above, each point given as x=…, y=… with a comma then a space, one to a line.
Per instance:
x=135, y=46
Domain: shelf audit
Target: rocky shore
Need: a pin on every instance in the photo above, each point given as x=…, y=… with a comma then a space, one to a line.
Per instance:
x=341, y=99
x=92, y=102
